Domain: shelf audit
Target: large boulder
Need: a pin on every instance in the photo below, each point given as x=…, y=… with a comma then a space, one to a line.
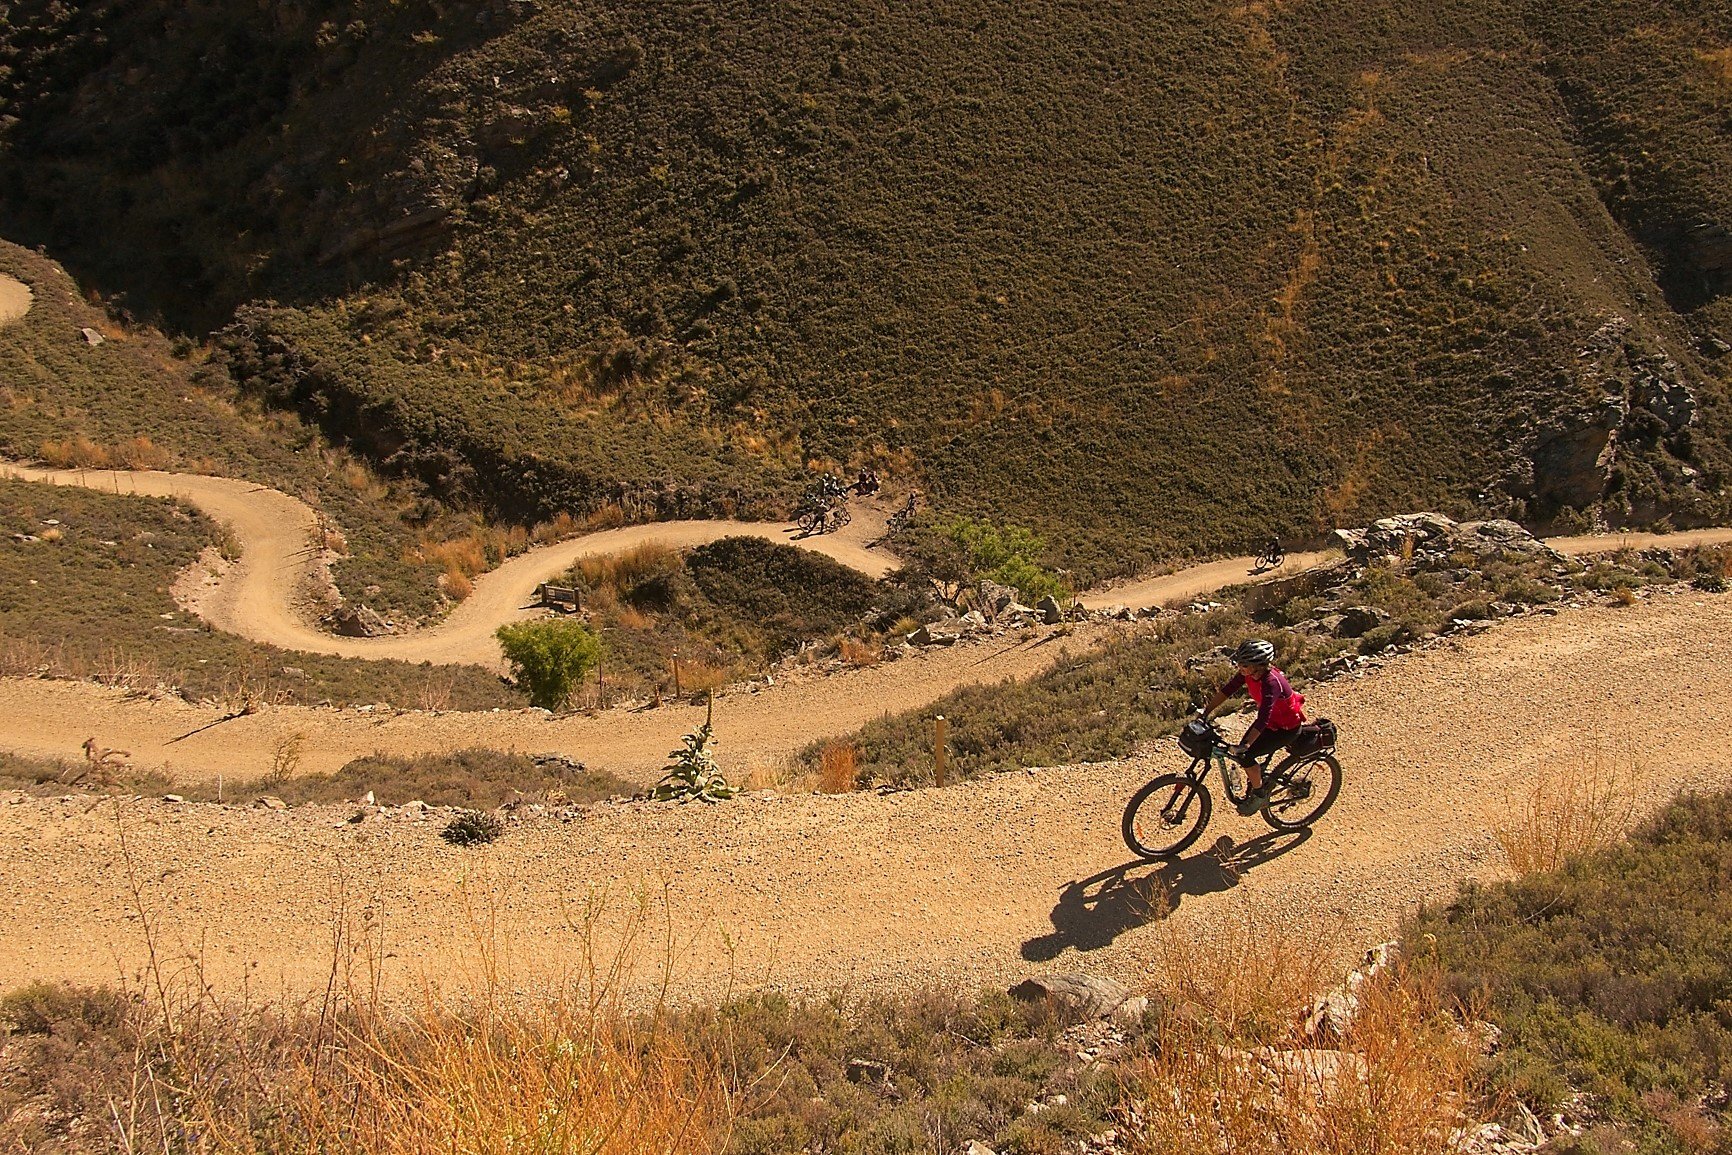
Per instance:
x=994, y=600
x=1049, y=610
x=358, y=622
x=1073, y=996
x=939, y=633
x=1356, y=621
x=1432, y=538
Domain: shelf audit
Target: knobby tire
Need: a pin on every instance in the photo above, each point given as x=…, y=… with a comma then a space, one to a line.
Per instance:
x=1320, y=777
x=1166, y=816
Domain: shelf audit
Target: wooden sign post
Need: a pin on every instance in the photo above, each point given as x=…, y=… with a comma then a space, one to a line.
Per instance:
x=941, y=729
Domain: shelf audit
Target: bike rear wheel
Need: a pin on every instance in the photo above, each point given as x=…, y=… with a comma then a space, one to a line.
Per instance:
x=809, y=521
x=1308, y=787
x=1166, y=815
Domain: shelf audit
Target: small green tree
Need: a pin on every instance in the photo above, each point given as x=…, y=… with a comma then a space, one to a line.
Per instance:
x=549, y=658
x=1005, y=554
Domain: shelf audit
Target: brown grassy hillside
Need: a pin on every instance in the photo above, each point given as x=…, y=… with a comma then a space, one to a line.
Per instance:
x=1148, y=279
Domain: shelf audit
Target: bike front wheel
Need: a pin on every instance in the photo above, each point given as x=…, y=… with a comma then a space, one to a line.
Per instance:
x=1308, y=788
x=1166, y=816
x=809, y=521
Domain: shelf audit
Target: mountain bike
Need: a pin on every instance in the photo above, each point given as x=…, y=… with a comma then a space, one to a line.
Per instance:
x=1272, y=556
x=1169, y=813
x=901, y=519
x=821, y=515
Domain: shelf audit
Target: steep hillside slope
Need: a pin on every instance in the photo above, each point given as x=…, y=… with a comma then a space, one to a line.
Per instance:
x=1151, y=279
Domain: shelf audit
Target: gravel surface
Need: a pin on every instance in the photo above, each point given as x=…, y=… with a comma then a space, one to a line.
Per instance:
x=977, y=883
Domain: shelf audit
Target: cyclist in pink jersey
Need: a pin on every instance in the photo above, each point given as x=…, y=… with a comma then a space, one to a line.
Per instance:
x=1280, y=710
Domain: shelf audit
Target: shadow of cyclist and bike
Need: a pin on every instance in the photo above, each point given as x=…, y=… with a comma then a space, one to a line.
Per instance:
x=1092, y=912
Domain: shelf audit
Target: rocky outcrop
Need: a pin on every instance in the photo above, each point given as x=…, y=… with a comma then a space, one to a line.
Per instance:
x=358, y=622
x=1433, y=538
x=1074, y=997
x=1645, y=402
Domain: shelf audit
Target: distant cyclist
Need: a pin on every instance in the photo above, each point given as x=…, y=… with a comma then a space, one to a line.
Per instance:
x=1280, y=711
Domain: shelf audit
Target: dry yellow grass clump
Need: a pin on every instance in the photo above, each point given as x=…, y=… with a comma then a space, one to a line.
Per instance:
x=1232, y=1069
x=1577, y=807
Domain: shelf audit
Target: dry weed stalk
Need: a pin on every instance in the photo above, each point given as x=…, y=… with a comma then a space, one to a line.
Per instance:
x=1571, y=811
x=349, y=1072
x=1401, y=1082
x=285, y=759
x=1249, y=973
x=839, y=768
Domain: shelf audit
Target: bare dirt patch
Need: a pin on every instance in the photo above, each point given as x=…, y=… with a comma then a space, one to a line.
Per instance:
x=15, y=299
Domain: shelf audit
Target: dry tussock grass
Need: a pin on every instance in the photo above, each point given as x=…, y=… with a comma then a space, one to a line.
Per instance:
x=839, y=768
x=1232, y=1071
x=621, y=571
x=74, y=453
x=550, y=1078
x=1250, y=972
x=857, y=653
x=700, y=677
x=1573, y=809
x=1402, y=1081
x=490, y=1071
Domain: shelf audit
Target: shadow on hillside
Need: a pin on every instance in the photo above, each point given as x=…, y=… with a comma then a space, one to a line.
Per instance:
x=1093, y=912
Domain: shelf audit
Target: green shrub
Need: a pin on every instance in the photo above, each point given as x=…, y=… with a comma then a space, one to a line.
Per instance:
x=478, y=778
x=1612, y=976
x=549, y=658
x=692, y=772
x=473, y=828
x=788, y=594
x=1007, y=554
x=42, y=1008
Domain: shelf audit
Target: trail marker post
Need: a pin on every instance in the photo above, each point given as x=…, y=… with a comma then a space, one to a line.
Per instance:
x=940, y=730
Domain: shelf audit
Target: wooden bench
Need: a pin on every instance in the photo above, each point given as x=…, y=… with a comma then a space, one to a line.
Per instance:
x=561, y=598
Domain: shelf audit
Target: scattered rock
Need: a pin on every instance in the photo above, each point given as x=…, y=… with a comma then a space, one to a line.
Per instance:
x=1330, y=1014
x=1074, y=996
x=172, y=798
x=995, y=601
x=868, y=1071
x=91, y=336
x=976, y=1147
x=1128, y=1015
x=269, y=802
x=1355, y=621
x=1051, y=613
x=940, y=633
x=358, y=622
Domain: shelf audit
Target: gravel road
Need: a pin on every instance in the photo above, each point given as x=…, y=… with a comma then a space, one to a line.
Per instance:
x=976, y=883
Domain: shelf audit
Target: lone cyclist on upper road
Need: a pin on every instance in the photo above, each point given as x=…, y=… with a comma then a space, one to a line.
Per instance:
x=1280, y=711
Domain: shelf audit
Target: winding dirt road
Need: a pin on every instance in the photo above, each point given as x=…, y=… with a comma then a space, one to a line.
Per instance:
x=258, y=599
x=977, y=883
x=260, y=596
x=281, y=565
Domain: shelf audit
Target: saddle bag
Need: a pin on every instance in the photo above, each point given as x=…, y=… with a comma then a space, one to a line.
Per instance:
x=1314, y=736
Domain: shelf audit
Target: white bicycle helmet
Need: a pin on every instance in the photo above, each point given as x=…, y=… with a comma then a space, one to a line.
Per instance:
x=1254, y=652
